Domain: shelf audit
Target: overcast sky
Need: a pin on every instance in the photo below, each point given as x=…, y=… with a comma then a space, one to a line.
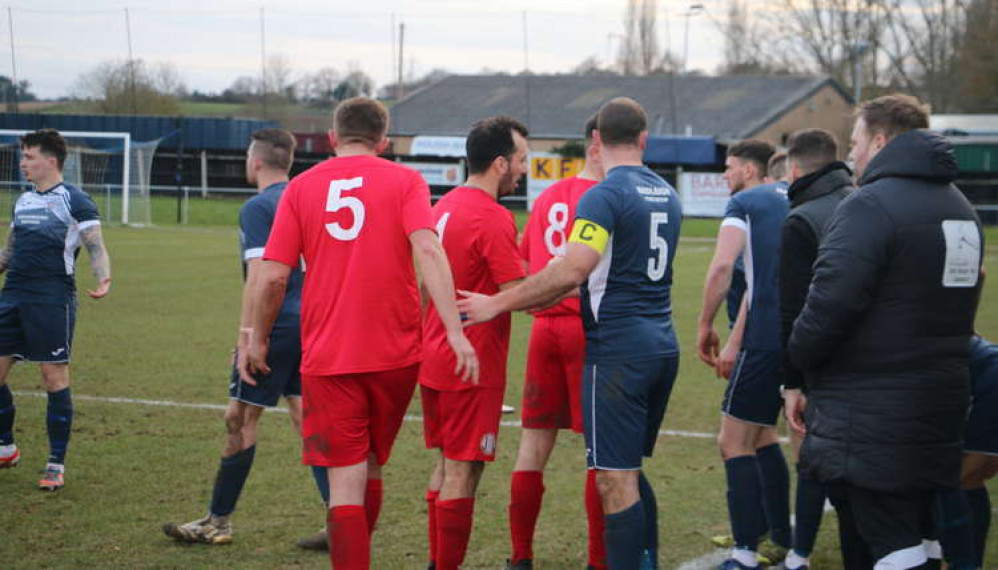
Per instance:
x=211, y=42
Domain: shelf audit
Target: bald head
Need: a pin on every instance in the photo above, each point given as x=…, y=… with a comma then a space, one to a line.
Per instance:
x=620, y=122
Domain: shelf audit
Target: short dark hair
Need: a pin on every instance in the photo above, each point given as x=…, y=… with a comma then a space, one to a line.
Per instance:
x=776, y=168
x=592, y=124
x=812, y=149
x=360, y=120
x=755, y=151
x=621, y=122
x=49, y=142
x=893, y=115
x=489, y=139
x=275, y=147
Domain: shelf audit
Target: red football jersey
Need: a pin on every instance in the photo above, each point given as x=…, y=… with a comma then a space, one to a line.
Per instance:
x=546, y=232
x=479, y=237
x=350, y=219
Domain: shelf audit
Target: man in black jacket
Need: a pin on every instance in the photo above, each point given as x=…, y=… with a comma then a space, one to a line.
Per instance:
x=884, y=334
x=819, y=182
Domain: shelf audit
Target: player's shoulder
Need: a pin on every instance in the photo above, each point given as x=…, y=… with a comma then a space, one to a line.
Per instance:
x=70, y=190
x=360, y=164
x=258, y=203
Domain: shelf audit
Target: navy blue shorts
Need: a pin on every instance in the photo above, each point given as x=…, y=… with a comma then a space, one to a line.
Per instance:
x=982, y=424
x=753, y=393
x=623, y=404
x=37, y=332
x=284, y=359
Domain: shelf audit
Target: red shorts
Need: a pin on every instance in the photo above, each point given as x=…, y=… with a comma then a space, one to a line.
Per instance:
x=464, y=424
x=347, y=417
x=552, y=388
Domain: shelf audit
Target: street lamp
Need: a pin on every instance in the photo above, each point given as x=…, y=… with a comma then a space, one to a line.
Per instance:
x=691, y=10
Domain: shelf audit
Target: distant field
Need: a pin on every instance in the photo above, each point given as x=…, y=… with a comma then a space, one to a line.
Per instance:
x=187, y=108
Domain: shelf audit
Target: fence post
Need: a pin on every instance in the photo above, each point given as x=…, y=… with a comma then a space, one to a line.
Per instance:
x=204, y=174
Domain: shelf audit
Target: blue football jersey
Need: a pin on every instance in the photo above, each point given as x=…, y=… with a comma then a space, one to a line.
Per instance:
x=983, y=367
x=633, y=218
x=255, y=219
x=46, y=230
x=760, y=212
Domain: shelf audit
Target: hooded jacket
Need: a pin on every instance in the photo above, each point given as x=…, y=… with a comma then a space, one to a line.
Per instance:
x=884, y=333
x=813, y=200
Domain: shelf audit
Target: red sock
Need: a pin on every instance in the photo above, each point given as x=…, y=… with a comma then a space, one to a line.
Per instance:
x=349, y=541
x=594, y=513
x=453, y=531
x=525, y=493
x=431, y=520
x=372, y=502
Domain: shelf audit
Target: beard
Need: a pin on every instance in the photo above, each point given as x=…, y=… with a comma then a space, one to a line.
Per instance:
x=507, y=184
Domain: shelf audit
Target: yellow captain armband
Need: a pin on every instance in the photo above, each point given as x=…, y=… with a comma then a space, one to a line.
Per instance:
x=591, y=234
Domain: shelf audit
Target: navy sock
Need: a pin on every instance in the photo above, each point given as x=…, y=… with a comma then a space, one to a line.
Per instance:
x=955, y=531
x=232, y=473
x=624, y=537
x=744, y=489
x=59, y=420
x=775, y=492
x=650, y=504
x=7, y=411
x=980, y=514
x=809, y=508
x=321, y=483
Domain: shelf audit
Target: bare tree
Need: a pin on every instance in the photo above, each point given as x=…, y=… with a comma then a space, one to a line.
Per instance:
x=751, y=46
x=278, y=74
x=977, y=59
x=639, y=53
x=132, y=87
x=923, y=42
x=320, y=86
x=832, y=34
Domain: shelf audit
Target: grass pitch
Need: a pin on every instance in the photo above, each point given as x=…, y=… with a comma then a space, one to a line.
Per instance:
x=165, y=333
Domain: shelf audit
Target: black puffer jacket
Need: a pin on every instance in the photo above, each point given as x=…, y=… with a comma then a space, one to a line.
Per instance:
x=883, y=337
x=813, y=200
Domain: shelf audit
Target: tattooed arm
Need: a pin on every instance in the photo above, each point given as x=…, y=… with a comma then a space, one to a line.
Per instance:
x=7, y=252
x=100, y=263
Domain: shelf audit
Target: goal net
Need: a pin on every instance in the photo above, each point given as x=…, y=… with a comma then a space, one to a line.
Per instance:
x=112, y=168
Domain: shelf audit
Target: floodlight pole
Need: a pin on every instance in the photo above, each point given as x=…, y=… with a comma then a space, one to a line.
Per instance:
x=13, y=60
x=127, y=176
x=263, y=62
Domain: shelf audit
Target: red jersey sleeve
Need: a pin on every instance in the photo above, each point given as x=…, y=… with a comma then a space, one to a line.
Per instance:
x=284, y=244
x=416, y=211
x=499, y=249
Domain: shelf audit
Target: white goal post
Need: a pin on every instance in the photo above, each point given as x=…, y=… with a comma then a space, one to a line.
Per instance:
x=91, y=166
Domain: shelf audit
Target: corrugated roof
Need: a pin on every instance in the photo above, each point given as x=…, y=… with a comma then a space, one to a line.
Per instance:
x=556, y=106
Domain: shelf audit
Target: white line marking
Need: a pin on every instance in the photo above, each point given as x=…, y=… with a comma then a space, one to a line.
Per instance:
x=196, y=406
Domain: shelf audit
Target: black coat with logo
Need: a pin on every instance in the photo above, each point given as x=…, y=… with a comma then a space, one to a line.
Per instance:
x=883, y=337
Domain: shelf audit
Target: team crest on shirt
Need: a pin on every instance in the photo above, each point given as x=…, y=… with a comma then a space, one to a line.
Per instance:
x=488, y=444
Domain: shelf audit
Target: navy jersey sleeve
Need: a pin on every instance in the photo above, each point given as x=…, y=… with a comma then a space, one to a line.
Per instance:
x=596, y=206
x=735, y=213
x=83, y=209
x=255, y=220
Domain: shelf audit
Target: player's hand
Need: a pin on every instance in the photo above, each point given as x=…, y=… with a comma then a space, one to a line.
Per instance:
x=102, y=289
x=475, y=308
x=254, y=363
x=708, y=345
x=724, y=364
x=794, y=403
x=467, y=361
